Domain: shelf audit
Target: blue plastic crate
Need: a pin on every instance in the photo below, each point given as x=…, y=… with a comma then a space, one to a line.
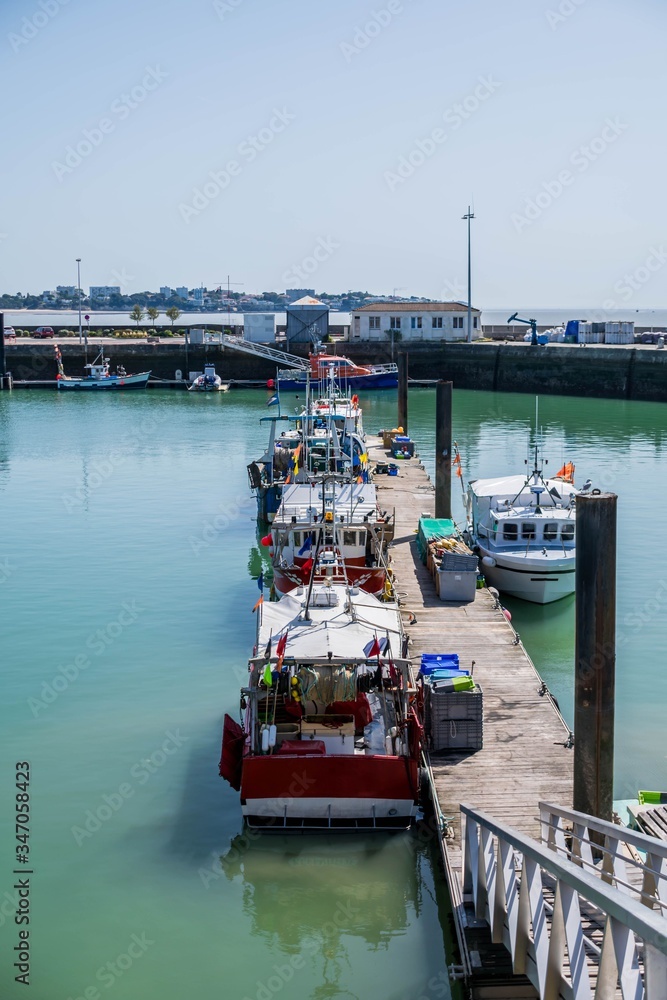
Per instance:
x=430, y=661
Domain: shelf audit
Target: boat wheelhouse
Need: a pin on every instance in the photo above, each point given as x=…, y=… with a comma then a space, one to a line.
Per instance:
x=330, y=739
x=333, y=531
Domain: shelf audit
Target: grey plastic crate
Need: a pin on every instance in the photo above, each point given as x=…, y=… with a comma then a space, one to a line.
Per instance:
x=454, y=720
x=458, y=562
x=456, y=585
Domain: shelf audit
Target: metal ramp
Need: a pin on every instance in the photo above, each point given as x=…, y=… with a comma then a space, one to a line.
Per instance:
x=264, y=351
x=582, y=914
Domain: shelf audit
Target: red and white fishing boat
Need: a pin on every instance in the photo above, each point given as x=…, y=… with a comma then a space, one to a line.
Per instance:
x=345, y=371
x=333, y=531
x=330, y=737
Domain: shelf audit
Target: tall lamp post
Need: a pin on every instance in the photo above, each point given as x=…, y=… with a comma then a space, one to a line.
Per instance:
x=78, y=282
x=469, y=215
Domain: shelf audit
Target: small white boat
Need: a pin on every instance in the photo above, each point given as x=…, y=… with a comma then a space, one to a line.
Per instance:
x=524, y=531
x=99, y=376
x=209, y=381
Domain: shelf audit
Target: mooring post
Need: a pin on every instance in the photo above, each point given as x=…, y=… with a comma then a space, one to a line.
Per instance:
x=403, y=391
x=2, y=350
x=595, y=654
x=443, y=450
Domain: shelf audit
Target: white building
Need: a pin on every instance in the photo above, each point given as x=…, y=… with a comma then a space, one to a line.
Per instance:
x=259, y=328
x=414, y=321
x=101, y=292
x=182, y=292
x=166, y=291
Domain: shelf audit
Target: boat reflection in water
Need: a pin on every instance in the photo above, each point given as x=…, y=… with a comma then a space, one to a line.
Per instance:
x=321, y=903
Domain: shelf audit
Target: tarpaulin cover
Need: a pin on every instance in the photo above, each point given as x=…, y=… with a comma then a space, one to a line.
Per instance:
x=430, y=529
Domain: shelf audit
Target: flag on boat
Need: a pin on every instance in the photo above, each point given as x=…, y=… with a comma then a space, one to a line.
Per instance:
x=258, y=602
x=274, y=401
x=267, y=651
x=374, y=648
x=267, y=676
x=308, y=565
x=566, y=473
x=260, y=582
x=307, y=545
x=280, y=650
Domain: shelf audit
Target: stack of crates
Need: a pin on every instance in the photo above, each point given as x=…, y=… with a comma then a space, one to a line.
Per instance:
x=453, y=704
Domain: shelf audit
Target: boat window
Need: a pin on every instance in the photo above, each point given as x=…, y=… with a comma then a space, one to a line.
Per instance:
x=510, y=532
x=528, y=529
x=550, y=531
x=567, y=532
x=297, y=539
x=349, y=538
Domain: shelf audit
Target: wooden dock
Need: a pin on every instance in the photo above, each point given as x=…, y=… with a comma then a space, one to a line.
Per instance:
x=527, y=755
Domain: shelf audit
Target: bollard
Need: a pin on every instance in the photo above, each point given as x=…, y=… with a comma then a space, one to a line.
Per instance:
x=403, y=391
x=595, y=654
x=443, y=450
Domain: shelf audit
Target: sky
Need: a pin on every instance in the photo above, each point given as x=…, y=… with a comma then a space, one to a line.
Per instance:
x=336, y=144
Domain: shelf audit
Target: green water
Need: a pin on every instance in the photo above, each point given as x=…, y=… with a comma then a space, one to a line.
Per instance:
x=125, y=597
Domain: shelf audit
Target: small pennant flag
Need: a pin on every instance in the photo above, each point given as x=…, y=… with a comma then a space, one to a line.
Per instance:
x=372, y=648
x=258, y=602
x=260, y=582
x=458, y=472
x=267, y=676
x=307, y=566
x=267, y=651
x=308, y=544
x=280, y=651
x=274, y=401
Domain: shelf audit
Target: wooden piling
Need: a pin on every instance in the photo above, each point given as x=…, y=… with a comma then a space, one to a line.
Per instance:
x=403, y=391
x=595, y=654
x=443, y=450
x=2, y=350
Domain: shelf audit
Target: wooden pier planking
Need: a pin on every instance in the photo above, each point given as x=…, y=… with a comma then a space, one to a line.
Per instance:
x=524, y=758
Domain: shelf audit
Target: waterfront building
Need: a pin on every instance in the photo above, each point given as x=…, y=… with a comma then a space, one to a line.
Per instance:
x=307, y=321
x=102, y=292
x=414, y=321
x=260, y=328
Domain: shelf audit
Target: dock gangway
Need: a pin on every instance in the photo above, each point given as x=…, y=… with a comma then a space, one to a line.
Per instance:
x=582, y=913
x=264, y=351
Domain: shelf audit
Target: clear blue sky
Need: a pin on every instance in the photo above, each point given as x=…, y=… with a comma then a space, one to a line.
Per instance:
x=342, y=98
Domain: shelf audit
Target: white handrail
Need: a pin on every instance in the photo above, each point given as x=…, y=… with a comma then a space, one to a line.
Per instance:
x=511, y=877
x=264, y=351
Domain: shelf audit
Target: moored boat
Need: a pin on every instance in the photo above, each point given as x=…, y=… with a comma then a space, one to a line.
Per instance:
x=524, y=530
x=333, y=531
x=330, y=739
x=347, y=373
x=99, y=375
x=208, y=381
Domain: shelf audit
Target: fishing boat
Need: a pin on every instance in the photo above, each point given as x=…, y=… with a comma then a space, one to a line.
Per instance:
x=99, y=375
x=333, y=531
x=524, y=530
x=327, y=436
x=208, y=381
x=330, y=739
x=347, y=374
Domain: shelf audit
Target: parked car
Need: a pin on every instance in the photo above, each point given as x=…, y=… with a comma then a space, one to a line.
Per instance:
x=10, y=333
x=42, y=332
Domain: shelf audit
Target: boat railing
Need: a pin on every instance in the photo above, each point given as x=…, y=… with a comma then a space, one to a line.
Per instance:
x=389, y=369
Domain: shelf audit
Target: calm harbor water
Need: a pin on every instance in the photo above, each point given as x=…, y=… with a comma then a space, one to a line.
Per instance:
x=126, y=563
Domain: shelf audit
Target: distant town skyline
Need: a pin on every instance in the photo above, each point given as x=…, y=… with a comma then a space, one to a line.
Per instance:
x=339, y=145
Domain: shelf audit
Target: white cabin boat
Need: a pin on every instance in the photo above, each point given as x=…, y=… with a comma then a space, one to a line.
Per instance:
x=524, y=531
x=99, y=376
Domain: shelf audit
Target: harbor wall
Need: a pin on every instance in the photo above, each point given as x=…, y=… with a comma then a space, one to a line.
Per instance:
x=638, y=373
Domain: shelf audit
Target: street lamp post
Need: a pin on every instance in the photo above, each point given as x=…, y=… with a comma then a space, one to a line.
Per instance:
x=469, y=215
x=78, y=282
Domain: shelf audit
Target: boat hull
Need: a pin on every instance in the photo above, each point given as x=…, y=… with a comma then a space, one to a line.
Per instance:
x=377, y=380
x=534, y=583
x=138, y=381
x=333, y=792
x=371, y=580
x=268, y=502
